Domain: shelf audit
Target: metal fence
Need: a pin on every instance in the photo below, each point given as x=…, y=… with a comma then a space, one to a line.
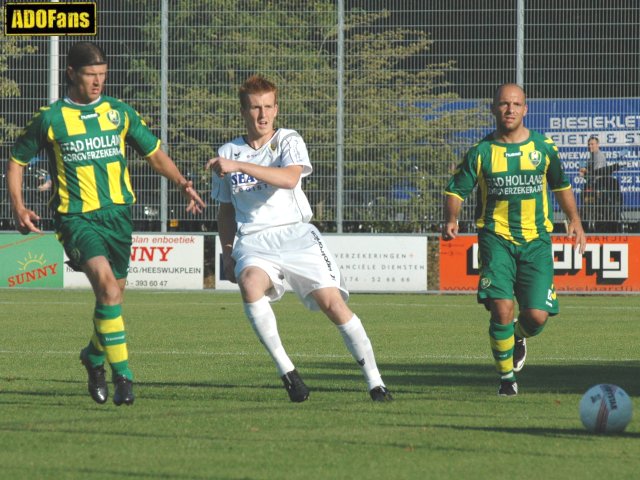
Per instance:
x=387, y=94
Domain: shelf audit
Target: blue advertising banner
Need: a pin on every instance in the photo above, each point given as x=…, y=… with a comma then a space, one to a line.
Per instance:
x=570, y=123
x=616, y=124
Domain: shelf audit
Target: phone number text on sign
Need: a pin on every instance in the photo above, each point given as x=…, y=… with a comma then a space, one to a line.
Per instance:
x=159, y=261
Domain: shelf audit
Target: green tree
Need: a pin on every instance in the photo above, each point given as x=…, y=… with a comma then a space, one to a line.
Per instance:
x=401, y=120
x=11, y=48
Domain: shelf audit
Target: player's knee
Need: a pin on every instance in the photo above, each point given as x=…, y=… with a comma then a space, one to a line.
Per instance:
x=109, y=293
x=334, y=307
x=534, y=317
x=332, y=310
x=253, y=284
x=502, y=311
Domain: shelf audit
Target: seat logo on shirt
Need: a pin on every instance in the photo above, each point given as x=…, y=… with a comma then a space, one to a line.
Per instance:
x=114, y=117
x=241, y=182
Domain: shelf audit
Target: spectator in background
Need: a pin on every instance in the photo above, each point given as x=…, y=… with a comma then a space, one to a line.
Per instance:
x=596, y=161
x=46, y=185
x=602, y=199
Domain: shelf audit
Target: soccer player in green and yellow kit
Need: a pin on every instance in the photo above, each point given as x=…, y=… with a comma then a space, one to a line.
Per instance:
x=84, y=137
x=513, y=168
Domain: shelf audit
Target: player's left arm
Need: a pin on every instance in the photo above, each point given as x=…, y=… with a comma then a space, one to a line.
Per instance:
x=567, y=202
x=24, y=217
x=561, y=187
x=227, y=227
x=146, y=144
x=164, y=165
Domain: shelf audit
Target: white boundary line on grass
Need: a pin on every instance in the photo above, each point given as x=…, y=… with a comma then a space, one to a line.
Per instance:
x=372, y=304
x=384, y=358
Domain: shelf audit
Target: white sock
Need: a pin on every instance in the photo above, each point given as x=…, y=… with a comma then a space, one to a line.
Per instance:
x=263, y=321
x=356, y=340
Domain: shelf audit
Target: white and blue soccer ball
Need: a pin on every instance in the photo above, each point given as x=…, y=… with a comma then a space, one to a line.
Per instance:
x=606, y=408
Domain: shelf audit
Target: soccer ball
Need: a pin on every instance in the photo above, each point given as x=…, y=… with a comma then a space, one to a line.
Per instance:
x=605, y=408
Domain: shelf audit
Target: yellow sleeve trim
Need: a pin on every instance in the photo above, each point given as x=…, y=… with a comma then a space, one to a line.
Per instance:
x=561, y=189
x=155, y=149
x=19, y=162
x=454, y=195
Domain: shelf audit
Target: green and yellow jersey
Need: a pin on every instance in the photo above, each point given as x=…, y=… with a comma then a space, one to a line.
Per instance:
x=513, y=185
x=85, y=145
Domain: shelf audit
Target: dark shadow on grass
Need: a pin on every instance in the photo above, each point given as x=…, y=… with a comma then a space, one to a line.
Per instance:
x=570, y=378
x=48, y=394
x=103, y=472
x=542, y=432
x=270, y=384
x=340, y=376
x=200, y=384
x=146, y=389
x=172, y=384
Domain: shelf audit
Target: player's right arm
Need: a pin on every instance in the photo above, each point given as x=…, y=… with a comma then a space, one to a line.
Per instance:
x=26, y=147
x=460, y=185
x=286, y=177
x=227, y=227
x=25, y=219
x=294, y=157
x=452, y=206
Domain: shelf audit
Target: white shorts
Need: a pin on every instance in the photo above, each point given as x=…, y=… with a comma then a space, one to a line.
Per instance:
x=295, y=253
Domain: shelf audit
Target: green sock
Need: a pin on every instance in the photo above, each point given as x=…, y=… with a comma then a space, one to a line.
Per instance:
x=110, y=330
x=95, y=352
x=502, y=342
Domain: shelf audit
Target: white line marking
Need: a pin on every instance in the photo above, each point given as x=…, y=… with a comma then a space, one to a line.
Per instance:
x=367, y=304
x=570, y=360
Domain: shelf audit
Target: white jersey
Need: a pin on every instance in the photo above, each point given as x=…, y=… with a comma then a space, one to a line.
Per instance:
x=259, y=205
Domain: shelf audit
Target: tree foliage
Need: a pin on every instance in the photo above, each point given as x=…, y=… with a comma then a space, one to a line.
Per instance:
x=11, y=48
x=399, y=129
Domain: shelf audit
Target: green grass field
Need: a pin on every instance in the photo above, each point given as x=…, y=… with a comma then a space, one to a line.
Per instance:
x=209, y=404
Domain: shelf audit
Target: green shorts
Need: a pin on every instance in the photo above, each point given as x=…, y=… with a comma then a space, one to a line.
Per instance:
x=526, y=271
x=105, y=232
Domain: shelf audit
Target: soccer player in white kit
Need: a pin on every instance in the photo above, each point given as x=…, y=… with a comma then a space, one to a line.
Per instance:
x=266, y=237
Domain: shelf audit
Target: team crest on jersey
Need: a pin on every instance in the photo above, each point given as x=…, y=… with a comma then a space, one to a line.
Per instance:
x=535, y=158
x=114, y=117
x=485, y=283
x=273, y=146
x=75, y=255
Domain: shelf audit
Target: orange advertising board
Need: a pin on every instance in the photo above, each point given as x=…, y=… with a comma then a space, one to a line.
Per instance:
x=611, y=263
